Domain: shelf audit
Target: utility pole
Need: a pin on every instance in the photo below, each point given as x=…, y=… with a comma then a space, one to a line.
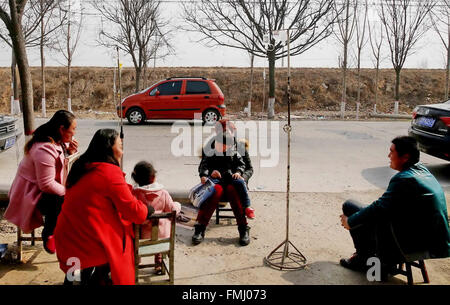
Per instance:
x=44, y=112
x=69, y=64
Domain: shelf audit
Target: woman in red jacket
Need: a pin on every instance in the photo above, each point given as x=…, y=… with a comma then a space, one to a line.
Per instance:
x=94, y=230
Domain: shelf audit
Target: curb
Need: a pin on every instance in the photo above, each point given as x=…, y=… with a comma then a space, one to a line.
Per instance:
x=390, y=116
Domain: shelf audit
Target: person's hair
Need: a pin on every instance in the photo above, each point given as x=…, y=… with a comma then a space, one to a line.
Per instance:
x=99, y=150
x=225, y=125
x=407, y=145
x=49, y=132
x=143, y=173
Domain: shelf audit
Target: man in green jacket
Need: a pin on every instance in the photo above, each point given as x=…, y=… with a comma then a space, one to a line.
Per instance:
x=410, y=217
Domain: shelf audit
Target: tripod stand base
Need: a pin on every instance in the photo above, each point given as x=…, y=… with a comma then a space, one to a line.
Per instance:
x=284, y=259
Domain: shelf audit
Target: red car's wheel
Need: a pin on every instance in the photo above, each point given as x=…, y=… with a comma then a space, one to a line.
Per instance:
x=136, y=116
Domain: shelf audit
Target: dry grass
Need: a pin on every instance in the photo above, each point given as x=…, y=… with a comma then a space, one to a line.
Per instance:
x=316, y=89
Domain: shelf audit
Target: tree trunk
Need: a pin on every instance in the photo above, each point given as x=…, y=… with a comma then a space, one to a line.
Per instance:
x=397, y=84
x=250, y=95
x=69, y=86
x=15, y=106
x=377, y=72
x=138, y=79
x=144, y=77
x=18, y=41
x=447, y=73
x=358, y=98
x=271, y=102
x=344, y=63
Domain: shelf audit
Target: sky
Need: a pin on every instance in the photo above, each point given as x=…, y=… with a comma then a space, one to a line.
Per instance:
x=429, y=53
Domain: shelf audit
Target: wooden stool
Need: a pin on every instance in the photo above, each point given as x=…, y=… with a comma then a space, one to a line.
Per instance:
x=21, y=238
x=408, y=272
x=221, y=207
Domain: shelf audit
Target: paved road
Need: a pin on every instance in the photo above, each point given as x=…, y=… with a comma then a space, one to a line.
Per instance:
x=326, y=156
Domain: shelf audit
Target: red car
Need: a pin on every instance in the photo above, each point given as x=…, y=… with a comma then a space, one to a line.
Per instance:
x=175, y=98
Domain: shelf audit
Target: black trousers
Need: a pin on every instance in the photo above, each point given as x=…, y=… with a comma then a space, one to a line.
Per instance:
x=93, y=276
x=372, y=239
x=49, y=206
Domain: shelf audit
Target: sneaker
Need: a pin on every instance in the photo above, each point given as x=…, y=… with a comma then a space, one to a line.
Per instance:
x=355, y=263
x=250, y=213
x=49, y=245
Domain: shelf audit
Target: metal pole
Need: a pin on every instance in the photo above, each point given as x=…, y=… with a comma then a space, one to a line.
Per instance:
x=295, y=259
x=120, y=102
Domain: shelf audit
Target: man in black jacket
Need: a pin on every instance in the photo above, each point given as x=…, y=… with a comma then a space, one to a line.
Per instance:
x=225, y=167
x=241, y=147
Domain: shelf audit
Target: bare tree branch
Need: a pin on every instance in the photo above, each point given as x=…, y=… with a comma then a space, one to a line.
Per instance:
x=130, y=25
x=404, y=23
x=243, y=24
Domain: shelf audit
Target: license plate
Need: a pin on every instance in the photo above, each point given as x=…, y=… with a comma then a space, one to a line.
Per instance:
x=426, y=122
x=10, y=142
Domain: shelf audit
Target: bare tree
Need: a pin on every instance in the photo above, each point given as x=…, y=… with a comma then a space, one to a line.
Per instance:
x=243, y=24
x=37, y=14
x=13, y=23
x=440, y=18
x=49, y=23
x=68, y=40
x=159, y=49
x=376, y=38
x=130, y=25
x=361, y=40
x=346, y=12
x=404, y=23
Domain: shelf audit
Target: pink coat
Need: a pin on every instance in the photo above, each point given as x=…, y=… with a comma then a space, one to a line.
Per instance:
x=40, y=171
x=156, y=196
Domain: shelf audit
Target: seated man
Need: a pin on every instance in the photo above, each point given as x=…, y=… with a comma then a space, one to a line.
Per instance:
x=413, y=207
x=224, y=167
x=241, y=146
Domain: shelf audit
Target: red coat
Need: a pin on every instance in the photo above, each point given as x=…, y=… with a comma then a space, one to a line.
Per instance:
x=95, y=224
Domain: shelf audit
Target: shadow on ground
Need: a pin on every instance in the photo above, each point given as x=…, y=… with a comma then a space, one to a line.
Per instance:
x=380, y=176
x=331, y=273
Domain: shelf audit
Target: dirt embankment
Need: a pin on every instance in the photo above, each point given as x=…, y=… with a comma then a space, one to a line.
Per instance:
x=316, y=89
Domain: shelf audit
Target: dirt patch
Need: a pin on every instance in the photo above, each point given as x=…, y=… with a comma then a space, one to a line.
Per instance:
x=314, y=229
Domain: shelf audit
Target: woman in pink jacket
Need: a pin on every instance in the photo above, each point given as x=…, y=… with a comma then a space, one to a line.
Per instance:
x=38, y=188
x=153, y=194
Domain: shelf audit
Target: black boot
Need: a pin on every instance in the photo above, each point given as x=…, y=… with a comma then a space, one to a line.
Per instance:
x=199, y=234
x=244, y=235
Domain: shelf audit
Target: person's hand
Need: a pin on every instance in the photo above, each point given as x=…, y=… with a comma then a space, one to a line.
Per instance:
x=73, y=147
x=216, y=174
x=237, y=176
x=203, y=180
x=344, y=222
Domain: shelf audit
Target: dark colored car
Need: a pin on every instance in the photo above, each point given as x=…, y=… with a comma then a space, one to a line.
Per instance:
x=176, y=98
x=8, y=132
x=431, y=128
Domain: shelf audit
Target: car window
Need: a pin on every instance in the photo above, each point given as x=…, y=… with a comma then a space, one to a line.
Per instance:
x=169, y=88
x=197, y=87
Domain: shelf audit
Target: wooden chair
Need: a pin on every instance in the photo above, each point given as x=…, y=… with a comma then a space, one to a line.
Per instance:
x=21, y=238
x=150, y=247
x=221, y=208
x=416, y=259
